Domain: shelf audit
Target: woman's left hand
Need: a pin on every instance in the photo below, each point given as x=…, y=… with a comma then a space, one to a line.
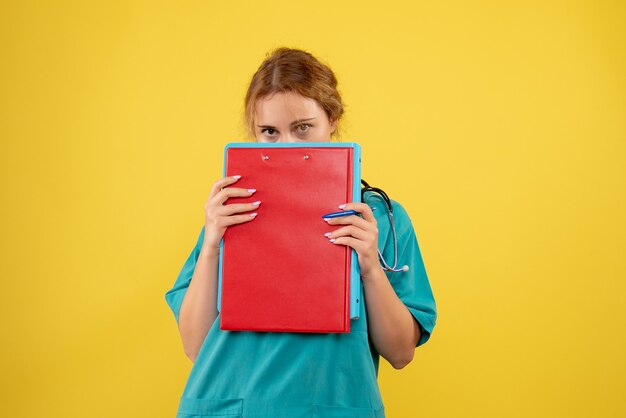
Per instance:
x=360, y=234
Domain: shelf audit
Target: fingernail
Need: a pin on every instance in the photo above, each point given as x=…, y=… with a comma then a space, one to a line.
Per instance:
x=253, y=214
x=256, y=203
x=237, y=177
x=327, y=234
x=251, y=190
x=326, y=219
x=332, y=240
x=342, y=206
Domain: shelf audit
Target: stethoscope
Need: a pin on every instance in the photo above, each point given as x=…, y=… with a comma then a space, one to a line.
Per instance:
x=383, y=195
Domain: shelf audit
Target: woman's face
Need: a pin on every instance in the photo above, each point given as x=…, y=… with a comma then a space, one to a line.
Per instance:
x=290, y=117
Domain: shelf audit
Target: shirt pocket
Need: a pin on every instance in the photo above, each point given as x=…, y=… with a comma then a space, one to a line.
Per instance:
x=210, y=407
x=335, y=411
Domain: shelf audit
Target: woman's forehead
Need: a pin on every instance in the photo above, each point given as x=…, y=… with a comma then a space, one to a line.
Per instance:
x=285, y=108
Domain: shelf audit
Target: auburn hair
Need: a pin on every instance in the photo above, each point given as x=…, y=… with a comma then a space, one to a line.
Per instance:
x=294, y=70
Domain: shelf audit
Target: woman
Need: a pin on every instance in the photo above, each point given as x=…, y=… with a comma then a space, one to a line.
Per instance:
x=293, y=97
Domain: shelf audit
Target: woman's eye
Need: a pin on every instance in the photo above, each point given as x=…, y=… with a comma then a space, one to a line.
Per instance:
x=306, y=127
x=269, y=131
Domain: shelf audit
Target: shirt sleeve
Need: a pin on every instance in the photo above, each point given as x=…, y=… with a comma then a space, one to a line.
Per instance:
x=412, y=286
x=174, y=296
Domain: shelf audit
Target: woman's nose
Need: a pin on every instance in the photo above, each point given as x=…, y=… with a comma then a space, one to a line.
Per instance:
x=288, y=138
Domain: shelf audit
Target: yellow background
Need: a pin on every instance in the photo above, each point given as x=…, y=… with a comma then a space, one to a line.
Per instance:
x=500, y=126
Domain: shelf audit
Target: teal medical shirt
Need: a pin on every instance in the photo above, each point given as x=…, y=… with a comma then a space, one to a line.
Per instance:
x=251, y=374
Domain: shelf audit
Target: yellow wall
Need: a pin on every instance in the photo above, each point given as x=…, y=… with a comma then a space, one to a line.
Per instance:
x=499, y=125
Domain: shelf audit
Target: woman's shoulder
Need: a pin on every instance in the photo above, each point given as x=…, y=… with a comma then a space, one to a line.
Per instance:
x=402, y=221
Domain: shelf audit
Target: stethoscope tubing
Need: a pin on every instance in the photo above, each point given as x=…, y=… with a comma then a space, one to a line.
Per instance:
x=384, y=196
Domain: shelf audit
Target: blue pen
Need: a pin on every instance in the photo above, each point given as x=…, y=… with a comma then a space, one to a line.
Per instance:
x=341, y=213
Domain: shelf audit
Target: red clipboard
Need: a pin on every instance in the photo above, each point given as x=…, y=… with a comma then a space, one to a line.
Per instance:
x=278, y=272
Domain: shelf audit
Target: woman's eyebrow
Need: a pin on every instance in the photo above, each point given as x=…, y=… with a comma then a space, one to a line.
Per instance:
x=292, y=123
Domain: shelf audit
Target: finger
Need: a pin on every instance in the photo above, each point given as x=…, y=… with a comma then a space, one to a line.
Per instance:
x=237, y=219
x=350, y=230
x=223, y=182
x=224, y=194
x=358, y=245
x=350, y=219
x=362, y=208
x=232, y=208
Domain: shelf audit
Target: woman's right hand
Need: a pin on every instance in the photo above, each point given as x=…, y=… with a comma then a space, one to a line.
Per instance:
x=218, y=217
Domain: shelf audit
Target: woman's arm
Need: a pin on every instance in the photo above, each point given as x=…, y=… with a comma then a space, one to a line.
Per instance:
x=199, y=307
x=393, y=329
